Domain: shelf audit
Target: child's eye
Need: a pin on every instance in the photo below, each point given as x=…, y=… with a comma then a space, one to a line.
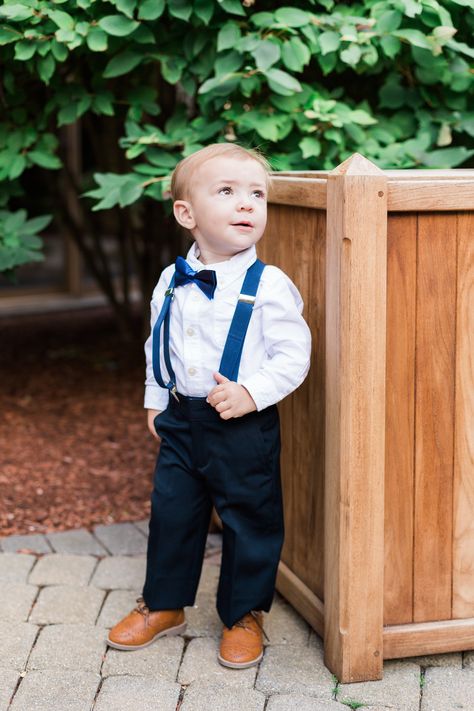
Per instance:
x=226, y=190
x=259, y=193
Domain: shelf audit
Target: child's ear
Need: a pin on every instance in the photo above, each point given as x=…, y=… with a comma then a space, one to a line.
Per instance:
x=183, y=213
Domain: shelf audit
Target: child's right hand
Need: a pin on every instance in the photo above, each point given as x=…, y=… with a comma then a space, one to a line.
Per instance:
x=150, y=419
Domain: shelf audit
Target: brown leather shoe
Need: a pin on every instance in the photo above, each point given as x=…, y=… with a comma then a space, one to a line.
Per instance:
x=141, y=627
x=242, y=644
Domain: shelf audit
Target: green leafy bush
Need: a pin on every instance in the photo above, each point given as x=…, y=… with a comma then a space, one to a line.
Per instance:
x=310, y=84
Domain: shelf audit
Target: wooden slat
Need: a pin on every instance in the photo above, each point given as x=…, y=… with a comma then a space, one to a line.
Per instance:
x=434, y=416
x=302, y=253
x=430, y=195
x=301, y=597
x=355, y=422
x=428, y=638
x=463, y=541
x=303, y=192
x=400, y=421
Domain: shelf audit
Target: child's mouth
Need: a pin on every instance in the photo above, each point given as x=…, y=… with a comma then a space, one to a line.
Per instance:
x=244, y=224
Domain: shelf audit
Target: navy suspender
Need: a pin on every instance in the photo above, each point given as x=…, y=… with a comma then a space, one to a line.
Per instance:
x=238, y=328
x=164, y=318
x=229, y=366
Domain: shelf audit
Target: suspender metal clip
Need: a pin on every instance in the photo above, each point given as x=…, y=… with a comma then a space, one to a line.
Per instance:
x=247, y=298
x=173, y=391
x=170, y=292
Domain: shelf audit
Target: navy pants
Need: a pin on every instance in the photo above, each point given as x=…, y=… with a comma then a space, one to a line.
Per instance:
x=235, y=465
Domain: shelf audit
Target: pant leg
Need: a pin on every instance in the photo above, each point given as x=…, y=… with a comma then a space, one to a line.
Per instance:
x=243, y=469
x=180, y=514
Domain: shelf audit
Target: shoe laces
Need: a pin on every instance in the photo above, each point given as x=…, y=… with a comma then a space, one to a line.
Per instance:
x=242, y=623
x=141, y=607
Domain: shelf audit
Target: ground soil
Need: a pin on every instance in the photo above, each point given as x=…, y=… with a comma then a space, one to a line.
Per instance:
x=74, y=447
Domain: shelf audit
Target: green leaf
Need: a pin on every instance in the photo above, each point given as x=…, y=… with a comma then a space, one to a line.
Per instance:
x=59, y=51
x=282, y=82
x=391, y=46
x=97, y=40
x=122, y=64
x=389, y=21
x=460, y=47
x=327, y=62
x=329, y=42
x=234, y=7
x=102, y=104
x=310, y=147
x=45, y=160
x=61, y=19
x=266, y=54
x=351, y=55
x=392, y=95
x=267, y=127
x=295, y=54
x=180, y=8
x=24, y=50
x=16, y=12
x=172, y=68
x=447, y=157
x=144, y=35
x=36, y=224
x=228, y=63
x=127, y=7
x=414, y=37
x=292, y=16
x=204, y=9
x=227, y=36
x=8, y=34
x=220, y=86
x=362, y=117
x=411, y=7
x=129, y=193
x=46, y=67
x=17, y=166
x=151, y=9
x=117, y=25
x=262, y=19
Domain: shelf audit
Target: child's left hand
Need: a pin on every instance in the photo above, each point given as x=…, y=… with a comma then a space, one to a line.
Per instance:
x=229, y=398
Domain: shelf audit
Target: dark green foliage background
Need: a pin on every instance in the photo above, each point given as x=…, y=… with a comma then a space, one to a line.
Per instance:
x=310, y=84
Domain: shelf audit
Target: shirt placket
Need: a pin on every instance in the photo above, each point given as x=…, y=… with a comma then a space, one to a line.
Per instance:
x=193, y=344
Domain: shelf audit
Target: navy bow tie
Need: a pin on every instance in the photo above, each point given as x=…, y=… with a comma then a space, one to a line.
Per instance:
x=205, y=279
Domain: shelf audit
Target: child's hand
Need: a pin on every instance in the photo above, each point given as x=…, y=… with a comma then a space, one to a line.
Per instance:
x=150, y=417
x=229, y=398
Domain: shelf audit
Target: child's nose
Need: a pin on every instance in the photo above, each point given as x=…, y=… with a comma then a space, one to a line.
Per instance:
x=245, y=204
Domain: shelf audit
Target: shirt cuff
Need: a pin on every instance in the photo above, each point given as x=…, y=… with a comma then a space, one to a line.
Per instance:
x=262, y=390
x=156, y=398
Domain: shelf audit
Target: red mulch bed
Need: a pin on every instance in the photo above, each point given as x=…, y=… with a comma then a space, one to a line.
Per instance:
x=74, y=447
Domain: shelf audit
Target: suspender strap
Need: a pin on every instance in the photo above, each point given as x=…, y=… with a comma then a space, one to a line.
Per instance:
x=164, y=319
x=234, y=344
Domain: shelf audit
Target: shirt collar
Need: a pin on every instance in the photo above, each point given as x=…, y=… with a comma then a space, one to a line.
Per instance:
x=227, y=271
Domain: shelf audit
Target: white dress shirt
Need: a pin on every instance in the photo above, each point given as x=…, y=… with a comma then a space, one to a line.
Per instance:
x=277, y=347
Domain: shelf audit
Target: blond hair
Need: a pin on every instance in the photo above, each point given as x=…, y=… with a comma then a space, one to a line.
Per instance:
x=184, y=171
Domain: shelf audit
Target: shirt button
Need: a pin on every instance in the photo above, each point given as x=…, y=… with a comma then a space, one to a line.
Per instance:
x=192, y=371
x=190, y=331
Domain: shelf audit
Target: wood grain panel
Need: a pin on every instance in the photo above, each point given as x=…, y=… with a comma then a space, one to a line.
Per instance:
x=434, y=415
x=295, y=241
x=400, y=419
x=463, y=541
x=428, y=638
x=355, y=419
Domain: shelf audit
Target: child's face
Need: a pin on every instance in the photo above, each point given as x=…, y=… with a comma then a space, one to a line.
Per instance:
x=227, y=209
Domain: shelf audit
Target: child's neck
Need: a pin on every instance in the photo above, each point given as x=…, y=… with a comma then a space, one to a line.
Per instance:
x=207, y=257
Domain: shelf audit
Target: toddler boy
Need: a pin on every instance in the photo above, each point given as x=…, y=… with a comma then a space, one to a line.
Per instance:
x=228, y=342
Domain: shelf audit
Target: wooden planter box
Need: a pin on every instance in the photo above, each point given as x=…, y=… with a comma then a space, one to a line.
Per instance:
x=378, y=444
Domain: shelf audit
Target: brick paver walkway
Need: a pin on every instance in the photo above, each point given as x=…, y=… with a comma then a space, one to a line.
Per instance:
x=60, y=592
